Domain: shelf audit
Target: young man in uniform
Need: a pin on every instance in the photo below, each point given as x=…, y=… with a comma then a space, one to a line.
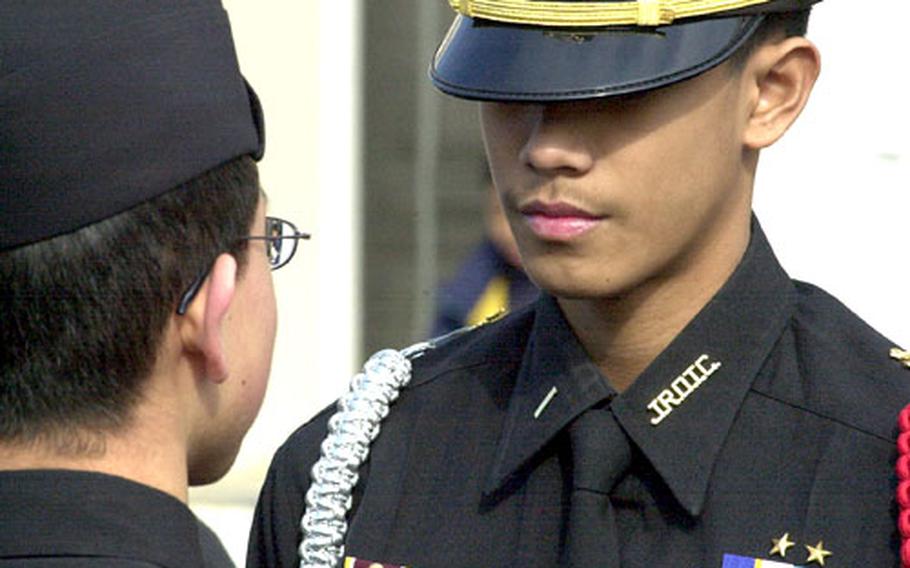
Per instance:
x=674, y=398
x=138, y=315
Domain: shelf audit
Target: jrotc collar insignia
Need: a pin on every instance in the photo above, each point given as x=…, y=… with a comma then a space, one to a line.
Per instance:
x=351, y=562
x=899, y=354
x=545, y=402
x=681, y=387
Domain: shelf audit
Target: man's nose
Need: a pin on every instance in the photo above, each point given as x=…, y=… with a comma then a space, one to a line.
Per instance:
x=556, y=143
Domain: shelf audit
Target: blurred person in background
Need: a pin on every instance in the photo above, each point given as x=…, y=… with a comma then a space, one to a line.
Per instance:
x=490, y=281
x=138, y=314
x=674, y=398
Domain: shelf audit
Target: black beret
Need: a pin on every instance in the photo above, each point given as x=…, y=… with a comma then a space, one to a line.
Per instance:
x=105, y=104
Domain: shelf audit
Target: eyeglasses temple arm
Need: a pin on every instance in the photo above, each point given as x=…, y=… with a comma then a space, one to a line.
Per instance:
x=191, y=292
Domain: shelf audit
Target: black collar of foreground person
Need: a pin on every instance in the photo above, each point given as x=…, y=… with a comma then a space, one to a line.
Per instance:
x=80, y=518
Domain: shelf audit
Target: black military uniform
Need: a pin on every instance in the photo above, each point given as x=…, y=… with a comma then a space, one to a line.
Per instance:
x=77, y=518
x=763, y=435
x=789, y=439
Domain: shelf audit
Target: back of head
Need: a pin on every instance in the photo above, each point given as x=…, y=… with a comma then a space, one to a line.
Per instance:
x=127, y=137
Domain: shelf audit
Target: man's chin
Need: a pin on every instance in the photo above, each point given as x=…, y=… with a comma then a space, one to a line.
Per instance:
x=563, y=286
x=211, y=468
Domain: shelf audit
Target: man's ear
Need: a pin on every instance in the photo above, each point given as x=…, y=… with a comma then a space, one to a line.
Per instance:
x=780, y=77
x=206, y=316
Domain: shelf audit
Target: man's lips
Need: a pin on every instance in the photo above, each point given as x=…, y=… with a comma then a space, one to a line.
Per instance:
x=558, y=221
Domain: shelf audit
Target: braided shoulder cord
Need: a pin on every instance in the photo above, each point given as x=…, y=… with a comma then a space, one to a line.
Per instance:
x=903, y=468
x=351, y=430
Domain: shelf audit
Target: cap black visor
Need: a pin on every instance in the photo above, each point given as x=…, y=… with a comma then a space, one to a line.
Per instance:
x=487, y=61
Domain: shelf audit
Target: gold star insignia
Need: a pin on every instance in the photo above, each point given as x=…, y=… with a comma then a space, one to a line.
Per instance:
x=817, y=553
x=781, y=545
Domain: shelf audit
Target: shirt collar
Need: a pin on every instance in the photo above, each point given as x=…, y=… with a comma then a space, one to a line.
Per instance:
x=556, y=382
x=79, y=513
x=737, y=330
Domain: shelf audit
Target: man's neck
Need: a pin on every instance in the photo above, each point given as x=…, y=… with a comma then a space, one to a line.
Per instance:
x=624, y=334
x=150, y=458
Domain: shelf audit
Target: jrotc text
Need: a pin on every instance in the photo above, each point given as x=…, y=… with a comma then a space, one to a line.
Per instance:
x=681, y=387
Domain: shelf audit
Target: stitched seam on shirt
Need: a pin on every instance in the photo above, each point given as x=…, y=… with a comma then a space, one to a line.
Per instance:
x=445, y=372
x=823, y=416
x=589, y=490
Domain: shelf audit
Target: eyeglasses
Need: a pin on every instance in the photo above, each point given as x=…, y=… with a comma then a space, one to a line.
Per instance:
x=277, y=231
x=281, y=238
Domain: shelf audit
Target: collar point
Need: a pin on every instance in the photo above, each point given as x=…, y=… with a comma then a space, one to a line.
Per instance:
x=692, y=503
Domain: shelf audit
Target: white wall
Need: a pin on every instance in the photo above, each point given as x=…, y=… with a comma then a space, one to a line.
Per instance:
x=834, y=194
x=302, y=59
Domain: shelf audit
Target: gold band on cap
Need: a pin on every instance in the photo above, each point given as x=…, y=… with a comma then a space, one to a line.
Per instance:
x=595, y=14
x=649, y=12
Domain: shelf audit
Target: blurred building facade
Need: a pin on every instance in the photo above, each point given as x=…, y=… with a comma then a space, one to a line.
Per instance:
x=423, y=177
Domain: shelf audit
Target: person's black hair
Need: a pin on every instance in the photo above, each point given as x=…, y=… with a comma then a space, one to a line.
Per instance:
x=783, y=24
x=84, y=313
